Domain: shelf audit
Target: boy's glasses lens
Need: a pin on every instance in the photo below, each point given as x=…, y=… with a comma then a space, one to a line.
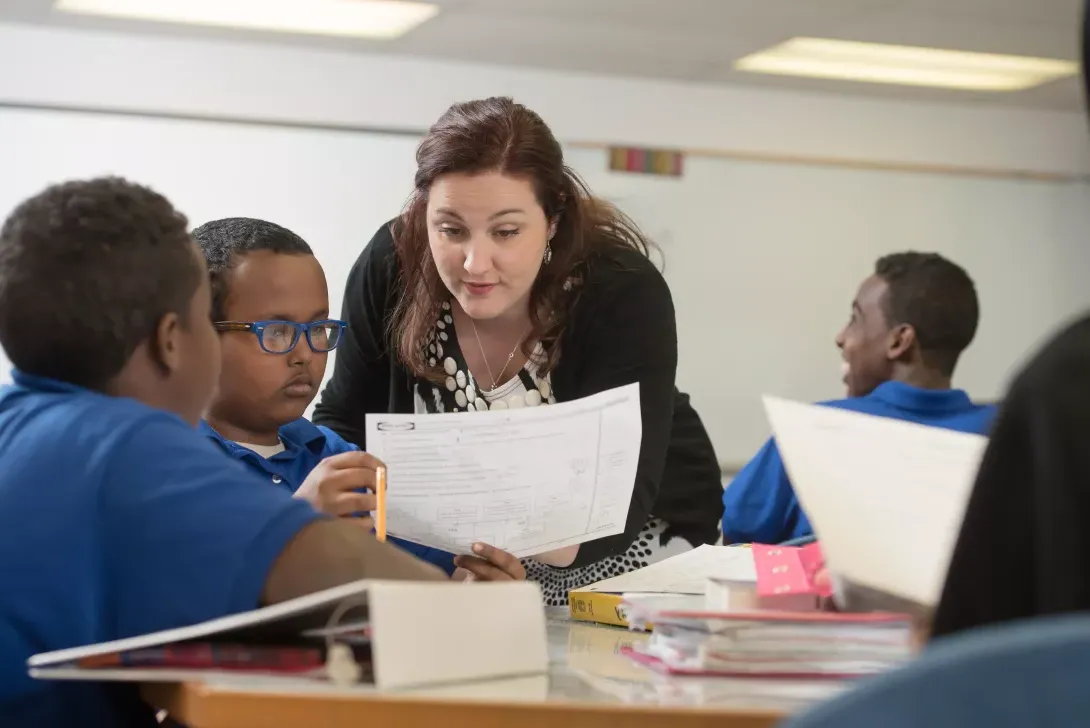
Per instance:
x=278, y=337
x=325, y=337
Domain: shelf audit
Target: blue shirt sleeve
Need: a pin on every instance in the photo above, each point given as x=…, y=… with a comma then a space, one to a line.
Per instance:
x=190, y=534
x=335, y=445
x=760, y=505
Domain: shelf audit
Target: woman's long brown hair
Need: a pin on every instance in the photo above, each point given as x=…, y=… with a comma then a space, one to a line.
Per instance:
x=498, y=135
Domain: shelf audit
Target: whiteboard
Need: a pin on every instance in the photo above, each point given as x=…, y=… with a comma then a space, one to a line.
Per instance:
x=762, y=259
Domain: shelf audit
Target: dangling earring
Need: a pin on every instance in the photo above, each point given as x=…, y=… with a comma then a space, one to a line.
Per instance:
x=548, y=254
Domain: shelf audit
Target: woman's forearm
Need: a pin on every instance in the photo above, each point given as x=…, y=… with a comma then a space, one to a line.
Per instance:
x=559, y=558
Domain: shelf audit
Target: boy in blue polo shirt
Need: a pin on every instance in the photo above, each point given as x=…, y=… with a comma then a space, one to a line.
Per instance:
x=909, y=324
x=271, y=304
x=116, y=517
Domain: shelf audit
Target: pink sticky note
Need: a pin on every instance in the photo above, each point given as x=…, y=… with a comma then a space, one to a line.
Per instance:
x=788, y=570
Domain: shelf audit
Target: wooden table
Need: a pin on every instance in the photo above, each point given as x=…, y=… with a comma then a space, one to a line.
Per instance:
x=589, y=685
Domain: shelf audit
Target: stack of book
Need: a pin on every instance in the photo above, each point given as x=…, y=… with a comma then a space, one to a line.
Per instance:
x=772, y=644
x=680, y=581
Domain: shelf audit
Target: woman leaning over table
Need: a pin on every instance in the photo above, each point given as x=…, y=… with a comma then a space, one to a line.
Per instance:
x=505, y=277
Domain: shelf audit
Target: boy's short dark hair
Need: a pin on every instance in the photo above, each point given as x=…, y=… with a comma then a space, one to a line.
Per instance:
x=88, y=269
x=937, y=298
x=224, y=240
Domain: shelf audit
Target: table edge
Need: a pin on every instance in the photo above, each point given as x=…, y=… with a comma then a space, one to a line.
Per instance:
x=199, y=705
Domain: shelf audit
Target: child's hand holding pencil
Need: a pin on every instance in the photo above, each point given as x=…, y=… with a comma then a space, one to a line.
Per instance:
x=336, y=487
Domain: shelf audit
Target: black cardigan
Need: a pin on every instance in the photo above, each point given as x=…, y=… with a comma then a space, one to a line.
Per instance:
x=621, y=330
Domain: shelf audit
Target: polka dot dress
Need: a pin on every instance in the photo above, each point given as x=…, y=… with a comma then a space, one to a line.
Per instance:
x=459, y=392
x=646, y=549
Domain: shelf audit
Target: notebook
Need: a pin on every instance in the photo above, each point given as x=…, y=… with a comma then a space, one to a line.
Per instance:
x=403, y=634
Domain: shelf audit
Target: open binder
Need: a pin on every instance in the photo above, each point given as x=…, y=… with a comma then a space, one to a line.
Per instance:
x=402, y=634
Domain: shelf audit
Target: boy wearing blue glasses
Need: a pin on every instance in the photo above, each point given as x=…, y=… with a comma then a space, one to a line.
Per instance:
x=270, y=304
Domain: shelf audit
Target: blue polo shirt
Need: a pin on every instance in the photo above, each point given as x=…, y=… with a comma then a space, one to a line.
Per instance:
x=760, y=504
x=306, y=445
x=117, y=519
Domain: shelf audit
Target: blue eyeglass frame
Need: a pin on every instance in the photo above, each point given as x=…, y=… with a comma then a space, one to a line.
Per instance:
x=257, y=328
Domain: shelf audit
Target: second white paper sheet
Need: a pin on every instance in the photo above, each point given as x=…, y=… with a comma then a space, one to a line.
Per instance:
x=885, y=497
x=526, y=480
x=686, y=573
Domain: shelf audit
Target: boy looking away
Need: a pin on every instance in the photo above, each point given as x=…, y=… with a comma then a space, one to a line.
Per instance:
x=910, y=322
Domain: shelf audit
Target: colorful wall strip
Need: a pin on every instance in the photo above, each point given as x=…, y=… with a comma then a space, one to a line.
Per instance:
x=663, y=162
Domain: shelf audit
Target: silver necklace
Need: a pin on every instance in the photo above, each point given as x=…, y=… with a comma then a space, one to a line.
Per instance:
x=485, y=356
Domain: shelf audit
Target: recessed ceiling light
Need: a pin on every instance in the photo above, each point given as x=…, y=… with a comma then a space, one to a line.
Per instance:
x=906, y=65
x=353, y=18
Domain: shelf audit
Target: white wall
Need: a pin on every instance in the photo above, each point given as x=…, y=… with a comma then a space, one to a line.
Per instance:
x=762, y=258
x=333, y=188
x=217, y=78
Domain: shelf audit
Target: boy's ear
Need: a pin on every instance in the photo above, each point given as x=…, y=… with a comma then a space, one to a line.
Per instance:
x=164, y=346
x=900, y=341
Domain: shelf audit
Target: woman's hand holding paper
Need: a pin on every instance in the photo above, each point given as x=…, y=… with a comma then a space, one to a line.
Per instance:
x=488, y=564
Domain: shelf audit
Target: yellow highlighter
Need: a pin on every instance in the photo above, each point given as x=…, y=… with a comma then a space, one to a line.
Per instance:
x=380, y=504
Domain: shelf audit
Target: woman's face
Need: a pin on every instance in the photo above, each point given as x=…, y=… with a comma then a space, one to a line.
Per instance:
x=487, y=233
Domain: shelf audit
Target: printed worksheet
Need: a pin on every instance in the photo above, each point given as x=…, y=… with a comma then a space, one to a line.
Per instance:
x=885, y=497
x=526, y=480
x=686, y=573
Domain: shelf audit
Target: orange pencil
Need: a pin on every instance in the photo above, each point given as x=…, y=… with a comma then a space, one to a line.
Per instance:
x=380, y=503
